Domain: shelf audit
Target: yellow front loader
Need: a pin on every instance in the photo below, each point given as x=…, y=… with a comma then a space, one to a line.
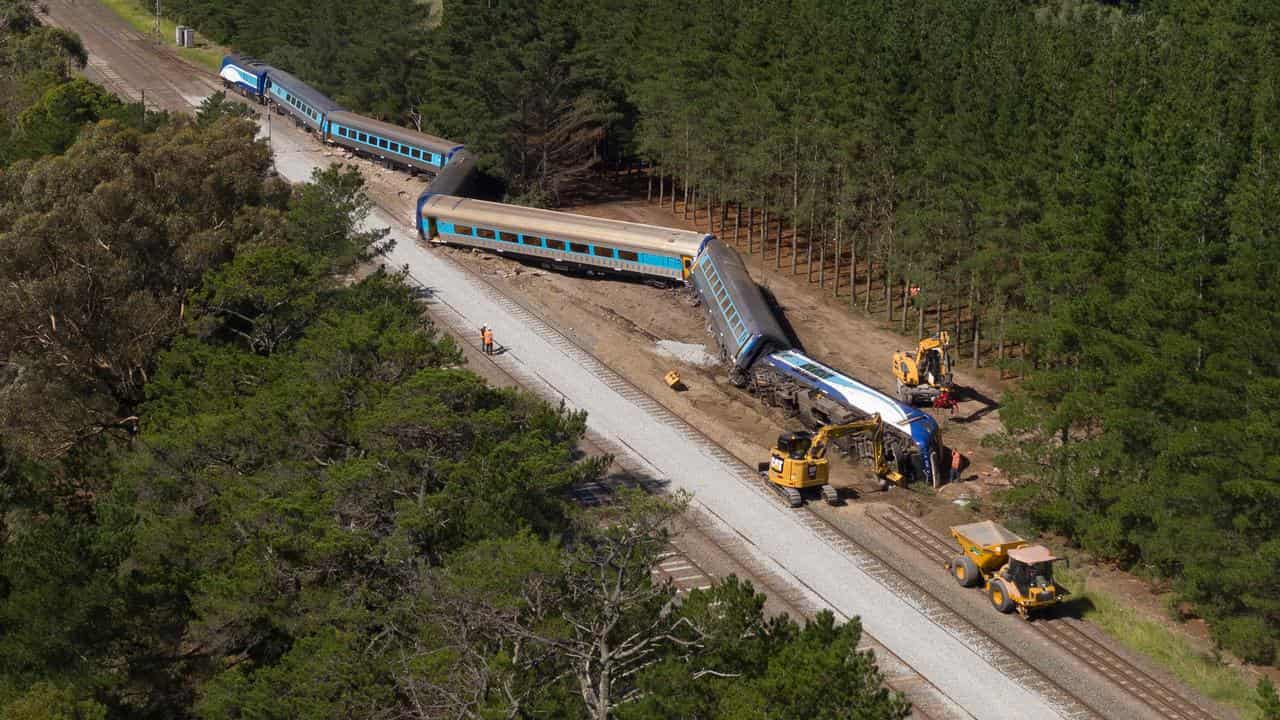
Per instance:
x=799, y=460
x=1014, y=575
x=924, y=373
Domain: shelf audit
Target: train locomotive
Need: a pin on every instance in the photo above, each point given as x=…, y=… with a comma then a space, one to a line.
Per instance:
x=759, y=354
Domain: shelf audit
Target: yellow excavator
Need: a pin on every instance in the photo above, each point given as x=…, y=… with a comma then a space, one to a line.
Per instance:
x=799, y=460
x=925, y=373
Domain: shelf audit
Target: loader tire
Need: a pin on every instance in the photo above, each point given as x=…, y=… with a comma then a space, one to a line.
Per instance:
x=999, y=595
x=965, y=571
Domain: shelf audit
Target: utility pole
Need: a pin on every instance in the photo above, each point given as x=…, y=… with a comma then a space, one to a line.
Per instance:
x=155, y=25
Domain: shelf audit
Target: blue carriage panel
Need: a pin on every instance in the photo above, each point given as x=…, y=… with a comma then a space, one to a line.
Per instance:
x=662, y=261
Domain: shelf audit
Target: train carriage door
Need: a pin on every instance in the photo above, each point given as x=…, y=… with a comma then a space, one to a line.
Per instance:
x=686, y=264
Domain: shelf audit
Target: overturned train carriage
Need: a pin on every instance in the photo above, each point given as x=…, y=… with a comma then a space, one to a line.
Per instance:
x=822, y=396
x=559, y=240
x=738, y=315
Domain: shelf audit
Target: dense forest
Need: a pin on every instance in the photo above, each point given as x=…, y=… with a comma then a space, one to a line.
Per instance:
x=241, y=475
x=1083, y=191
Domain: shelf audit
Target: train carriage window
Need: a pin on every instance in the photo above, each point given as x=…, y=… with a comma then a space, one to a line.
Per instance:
x=462, y=230
x=382, y=143
x=507, y=237
x=395, y=147
x=602, y=251
x=724, y=304
x=485, y=233
x=628, y=256
x=555, y=244
x=579, y=248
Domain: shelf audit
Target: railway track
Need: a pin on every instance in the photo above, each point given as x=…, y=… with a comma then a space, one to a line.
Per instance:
x=1001, y=656
x=860, y=556
x=1064, y=632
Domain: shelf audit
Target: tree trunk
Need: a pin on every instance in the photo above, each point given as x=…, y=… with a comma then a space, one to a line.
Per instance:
x=649, y=196
x=1000, y=340
x=939, y=311
x=737, y=222
x=751, y=229
x=822, y=263
x=808, y=276
x=835, y=286
x=764, y=235
x=905, y=300
x=661, y=187
x=724, y=213
x=686, y=200
x=866, y=295
x=777, y=247
x=977, y=345
x=888, y=294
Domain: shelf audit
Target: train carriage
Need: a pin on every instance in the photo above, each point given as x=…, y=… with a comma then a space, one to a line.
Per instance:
x=457, y=176
x=561, y=240
x=307, y=105
x=909, y=422
x=245, y=75
x=389, y=143
x=740, y=318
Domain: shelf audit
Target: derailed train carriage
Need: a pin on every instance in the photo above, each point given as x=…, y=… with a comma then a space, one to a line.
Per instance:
x=753, y=344
x=561, y=241
x=761, y=358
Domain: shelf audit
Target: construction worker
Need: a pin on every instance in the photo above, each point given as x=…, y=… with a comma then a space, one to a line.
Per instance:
x=945, y=401
x=486, y=337
x=956, y=461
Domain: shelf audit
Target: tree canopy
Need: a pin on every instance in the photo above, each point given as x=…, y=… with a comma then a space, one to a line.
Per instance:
x=1091, y=182
x=242, y=474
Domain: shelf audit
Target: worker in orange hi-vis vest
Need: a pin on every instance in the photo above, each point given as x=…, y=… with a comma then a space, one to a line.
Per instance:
x=486, y=337
x=956, y=460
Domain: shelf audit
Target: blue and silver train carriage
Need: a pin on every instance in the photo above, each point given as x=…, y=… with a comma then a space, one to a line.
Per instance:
x=245, y=75
x=307, y=105
x=743, y=323
x=916, y=433
x=391, y=144
x=457, y=176
x=560, y=240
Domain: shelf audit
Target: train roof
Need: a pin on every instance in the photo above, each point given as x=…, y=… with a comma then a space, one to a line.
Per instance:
x=850, y=392
x=561, y=225
x=251, y=64
x=394, y=132
x=303, y=91
x=456, y=176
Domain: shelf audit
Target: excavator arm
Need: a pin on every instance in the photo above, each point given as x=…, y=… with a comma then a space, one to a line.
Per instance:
x=828, y=433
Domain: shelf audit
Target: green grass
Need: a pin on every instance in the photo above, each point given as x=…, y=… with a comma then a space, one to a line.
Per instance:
x=1169, y=650
x=143, y=20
